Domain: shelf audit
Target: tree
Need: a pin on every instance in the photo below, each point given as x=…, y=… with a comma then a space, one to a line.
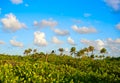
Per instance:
x=92, y=56
x=26, y=52
x=61, y=50
x=80, y=53
x=34, y=51
x=73, y=50
x=91, y=49
x=86, y=50
x=53, y=52
x=103, y=51
x=29, y=50
x=96, y=56
x=108, y=57
x=100, y=56
x=46, y=57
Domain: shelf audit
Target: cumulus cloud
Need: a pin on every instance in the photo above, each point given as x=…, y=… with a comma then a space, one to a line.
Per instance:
x=16, y=1
x=70, y=41
x=76, y=21
x=45, y=23
x=98, y=44
x=39, y=39
x=55, y=40
x=118, y=26
x=111, y=41
x=115, y=4
x=61, y=32
x=11, y=23
x=84, y=30
x=15, y=43
x=113, y=45
x=2, y=42
x=87, y=14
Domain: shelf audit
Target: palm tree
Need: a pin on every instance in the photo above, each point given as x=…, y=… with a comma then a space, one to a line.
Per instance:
x=53, y=51
x=29, y=50
x=108, y=57
x=34, y=51
x=100, y=56
x=26, y=52
x=86, y=50
x=96, y=56
x=80, y=53
x=46, y=57
x=91, y=49
x=103, y=51
x=61, y=50
x=92, y=56
x=73, y=50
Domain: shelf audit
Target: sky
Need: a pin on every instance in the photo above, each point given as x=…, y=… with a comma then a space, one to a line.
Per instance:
x=51, y=24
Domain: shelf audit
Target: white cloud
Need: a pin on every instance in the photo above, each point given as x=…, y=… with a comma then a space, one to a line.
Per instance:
x=118, y=26
x=84, y=30
x=113, y=45
x=11, y=23
x=35, y=23
x=115, y=4
x=76, y=21
x=98, y=44
x=111, y=41
x=39, y=39
x=55, y=40
x=15, y=43
x=61, y=32
x=2, y=42
x=87, y=14
x=45, y=23
x=70, y=41
x=16, y=1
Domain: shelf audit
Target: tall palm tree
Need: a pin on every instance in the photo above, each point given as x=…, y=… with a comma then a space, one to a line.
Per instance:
x=92, y=56
x=96, y=56
x=103, y=51
x=34, y=51
x=46, y=57
x=80, y=53
x=86, y=50
x=29, y=50
x=100, y=56
x=26, y=52
x=73, y=50
x=91, y=49
x=61, y=50
x=108, y=57
x=53, y=52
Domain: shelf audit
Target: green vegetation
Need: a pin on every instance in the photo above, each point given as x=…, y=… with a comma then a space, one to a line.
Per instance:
x=37, y=67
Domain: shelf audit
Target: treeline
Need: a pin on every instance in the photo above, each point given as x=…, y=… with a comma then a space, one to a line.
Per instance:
x=82, y=53
x=51, y=68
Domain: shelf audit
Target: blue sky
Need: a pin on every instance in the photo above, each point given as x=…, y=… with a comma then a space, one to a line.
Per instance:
x=50, y=24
